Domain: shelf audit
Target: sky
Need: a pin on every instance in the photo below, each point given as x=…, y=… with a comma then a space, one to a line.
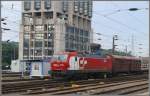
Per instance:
x=132, y=27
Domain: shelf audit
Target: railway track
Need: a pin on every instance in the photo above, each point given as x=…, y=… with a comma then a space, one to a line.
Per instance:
x=100, y=88
x=13, y=74
x=40, y=87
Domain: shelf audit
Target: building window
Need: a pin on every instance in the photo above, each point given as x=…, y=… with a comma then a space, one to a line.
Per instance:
x=70, y=30
x=77, y=31
x=76, y=5
x=49, y=15
x=38, y=52
x=50, y=27
x=85, y=7
x=50, y=35
x=81, y=6
x=32, y=27
x=37, y=4
x=25, y=52
x=31, y=52
x=67, y=45
x=90, y=8
x=45, y=44
x=81, y=32
x=45, y=27
x=45, y=35
x=38, y=43
x=50, y=52
x=27, y=28
x=32, y=36
x=50, y=44
x=86, y=33
x=27, y=5
x=26, y=40
x=65, y=5
x=31, y=44
x=47, y=4
x=39, y=36
x=39, y=28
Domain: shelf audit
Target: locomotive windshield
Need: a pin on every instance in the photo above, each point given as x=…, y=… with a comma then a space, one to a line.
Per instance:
x=60, y=57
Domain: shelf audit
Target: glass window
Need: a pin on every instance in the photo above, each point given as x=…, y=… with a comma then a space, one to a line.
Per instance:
x=50, y=35
x=39, y=36
x=50, y=52
x=76, y=5
x=32, y=36
x=47, y=4
x=81, y=32
x=32, y=51
x=38, y=52
x=65, y=5
x=26, y=40
x=90, y=8
x=25, y=52
x=50, y=44
x=85, y=7
x=32, y=27
x=37, y=4
x=60, y=57
x=81, y=6
x=27, y=28
x=45, y=43
x=27, y=5
x=39, y=28
x=45, y=27
x=45, y=35
x=31, y=43
x=76, y=31
x=38, y=43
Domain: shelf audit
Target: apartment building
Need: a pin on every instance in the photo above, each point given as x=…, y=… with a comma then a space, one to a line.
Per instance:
x=50, y=26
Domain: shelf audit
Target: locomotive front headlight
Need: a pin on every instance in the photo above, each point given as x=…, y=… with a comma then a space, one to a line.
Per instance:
x=61, y=64
x=55, y=65
x=81, y=61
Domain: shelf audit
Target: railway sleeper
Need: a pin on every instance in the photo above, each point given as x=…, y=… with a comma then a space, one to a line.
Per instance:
x=118, y=87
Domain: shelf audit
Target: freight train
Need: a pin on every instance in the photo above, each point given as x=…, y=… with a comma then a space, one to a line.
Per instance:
x=77, y=65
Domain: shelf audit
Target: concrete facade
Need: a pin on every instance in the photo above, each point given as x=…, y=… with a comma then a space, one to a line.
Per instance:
x=49, y=27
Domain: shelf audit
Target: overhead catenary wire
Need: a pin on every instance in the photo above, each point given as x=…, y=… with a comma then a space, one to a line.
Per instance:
x=131, y=15
x=118, y=22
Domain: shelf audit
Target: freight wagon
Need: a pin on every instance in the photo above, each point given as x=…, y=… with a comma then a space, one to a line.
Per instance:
x=75, y=65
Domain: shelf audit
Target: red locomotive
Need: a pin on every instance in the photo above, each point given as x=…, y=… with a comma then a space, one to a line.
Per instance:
x=73, y=64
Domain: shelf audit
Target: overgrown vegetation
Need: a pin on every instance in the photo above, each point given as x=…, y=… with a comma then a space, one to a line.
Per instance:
x=9, y=52
x=120, y=53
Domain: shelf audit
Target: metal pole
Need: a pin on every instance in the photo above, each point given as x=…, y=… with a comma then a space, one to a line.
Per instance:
x=113, y=45
x=126, y=50
x=0, y=52
x=14, y=53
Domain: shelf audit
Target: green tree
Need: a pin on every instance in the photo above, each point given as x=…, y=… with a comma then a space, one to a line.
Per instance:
x=120, y=53
x=9, y=52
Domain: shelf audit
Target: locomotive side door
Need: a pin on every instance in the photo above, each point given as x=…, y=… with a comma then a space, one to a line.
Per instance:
x=73, y=62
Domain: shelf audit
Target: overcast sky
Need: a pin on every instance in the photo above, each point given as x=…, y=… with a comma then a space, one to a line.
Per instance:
x=106, y=20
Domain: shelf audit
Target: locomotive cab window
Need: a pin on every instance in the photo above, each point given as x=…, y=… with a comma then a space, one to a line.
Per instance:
x=60, y=57
x=76, y=59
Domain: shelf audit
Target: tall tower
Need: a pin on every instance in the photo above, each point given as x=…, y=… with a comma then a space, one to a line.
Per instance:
x=50, y=26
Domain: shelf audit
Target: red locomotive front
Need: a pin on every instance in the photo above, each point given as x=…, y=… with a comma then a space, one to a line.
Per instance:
x=71, y=63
